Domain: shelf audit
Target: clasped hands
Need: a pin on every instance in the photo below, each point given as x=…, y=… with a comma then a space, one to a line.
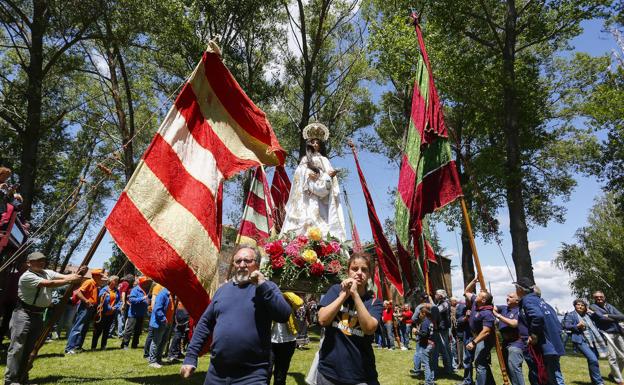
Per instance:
x=349, y=286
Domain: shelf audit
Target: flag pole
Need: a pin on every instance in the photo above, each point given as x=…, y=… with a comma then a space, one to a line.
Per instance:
x=473, y=247
x=58, y=309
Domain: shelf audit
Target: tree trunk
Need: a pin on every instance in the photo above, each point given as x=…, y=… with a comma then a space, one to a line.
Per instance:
x=32, y=134
x=128, y=135
x=515, y=203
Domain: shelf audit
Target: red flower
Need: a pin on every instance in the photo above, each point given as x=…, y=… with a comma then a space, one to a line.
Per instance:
x=326, y=249
x=302, y=240
x=278, y=262
x=300, y=262
x=317, y=269
x=334, y=267
x=274, y=248
x=335, y=247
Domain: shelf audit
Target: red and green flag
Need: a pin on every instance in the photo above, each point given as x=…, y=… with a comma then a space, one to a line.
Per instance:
x=428, y=178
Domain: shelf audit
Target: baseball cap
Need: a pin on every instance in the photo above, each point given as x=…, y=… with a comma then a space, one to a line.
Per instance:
x=35, y=256
x=525, y=284
x=99, y=272
x=144, y=279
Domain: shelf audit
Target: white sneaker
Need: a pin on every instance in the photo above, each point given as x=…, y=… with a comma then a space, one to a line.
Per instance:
x=155, y=365
x=403, y=348
x=70, y=352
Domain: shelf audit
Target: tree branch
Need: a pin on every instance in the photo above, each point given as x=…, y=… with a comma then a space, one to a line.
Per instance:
x=19, y=12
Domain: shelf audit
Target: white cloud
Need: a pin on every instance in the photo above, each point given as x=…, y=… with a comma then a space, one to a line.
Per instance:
x=554, y=283
x=535, y=245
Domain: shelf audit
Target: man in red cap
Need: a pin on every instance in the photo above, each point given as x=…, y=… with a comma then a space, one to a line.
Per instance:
x=136, y=313
x=88, y=296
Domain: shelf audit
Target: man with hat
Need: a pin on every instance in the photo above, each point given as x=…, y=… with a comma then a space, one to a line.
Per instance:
x=88, y=296
x=139, y=300
x=34, y=295
x=544, y=328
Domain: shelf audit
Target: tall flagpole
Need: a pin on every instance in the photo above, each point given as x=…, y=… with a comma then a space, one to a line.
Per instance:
x=473, y=246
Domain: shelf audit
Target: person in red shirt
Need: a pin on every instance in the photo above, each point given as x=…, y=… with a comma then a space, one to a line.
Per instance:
x=387, y=316
x=125, y=286
x=405, y=326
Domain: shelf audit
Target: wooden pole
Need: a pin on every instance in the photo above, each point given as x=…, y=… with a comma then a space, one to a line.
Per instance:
x=473, y=246
x=58, y=310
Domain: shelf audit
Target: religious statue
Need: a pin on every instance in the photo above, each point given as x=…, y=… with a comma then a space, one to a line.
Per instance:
x=314, y=199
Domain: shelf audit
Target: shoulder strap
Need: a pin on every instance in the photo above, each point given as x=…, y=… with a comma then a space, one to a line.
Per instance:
x=38, y=287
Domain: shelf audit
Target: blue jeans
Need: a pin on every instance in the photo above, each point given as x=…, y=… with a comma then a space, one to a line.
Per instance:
x=121, y=322
x=426, y=357
x=159, y=337
x=442, y=344
x=79, y=330
x=404, y=330
x=514, y=359
x=592, y=362
x=467, y=363
x=418, y=357
x=483, y=371
x=389, y=329
x=555, y=377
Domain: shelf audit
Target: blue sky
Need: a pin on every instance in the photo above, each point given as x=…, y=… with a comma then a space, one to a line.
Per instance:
x=544, y=242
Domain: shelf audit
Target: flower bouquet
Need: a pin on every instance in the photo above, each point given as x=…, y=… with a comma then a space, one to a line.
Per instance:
x=306, y=263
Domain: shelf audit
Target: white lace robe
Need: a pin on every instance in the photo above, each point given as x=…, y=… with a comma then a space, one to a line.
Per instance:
x=314, y=203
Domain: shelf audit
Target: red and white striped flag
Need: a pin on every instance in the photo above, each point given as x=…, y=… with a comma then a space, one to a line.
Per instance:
x=257, y=222
x=168, y=218
x=280, y=191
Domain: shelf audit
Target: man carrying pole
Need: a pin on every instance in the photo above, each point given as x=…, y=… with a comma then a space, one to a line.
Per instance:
x=483, y=333
x=34, y=296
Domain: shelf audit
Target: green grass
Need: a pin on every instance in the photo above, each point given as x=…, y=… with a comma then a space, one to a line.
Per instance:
x=116, y=367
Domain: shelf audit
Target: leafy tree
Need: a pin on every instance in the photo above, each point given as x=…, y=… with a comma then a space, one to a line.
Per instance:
x=599, y=99
x=324, y=76
x=493, y=62
x=595, y=262
x=41, y=35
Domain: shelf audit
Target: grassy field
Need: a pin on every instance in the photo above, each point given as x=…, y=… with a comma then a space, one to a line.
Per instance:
x=116, y=367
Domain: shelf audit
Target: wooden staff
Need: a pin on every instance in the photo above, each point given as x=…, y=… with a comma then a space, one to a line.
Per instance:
x=60, y=308
x=499, y=349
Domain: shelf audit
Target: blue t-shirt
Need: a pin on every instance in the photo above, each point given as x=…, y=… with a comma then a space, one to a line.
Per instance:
x=512, y=336
x=347, y=353
x=480, y=317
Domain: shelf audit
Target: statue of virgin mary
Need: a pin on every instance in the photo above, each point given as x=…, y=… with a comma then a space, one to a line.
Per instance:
x=314, y=199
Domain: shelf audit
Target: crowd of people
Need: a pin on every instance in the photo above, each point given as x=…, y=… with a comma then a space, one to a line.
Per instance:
x=255, y=329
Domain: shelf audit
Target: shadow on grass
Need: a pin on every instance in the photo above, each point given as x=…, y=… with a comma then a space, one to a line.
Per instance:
x=165, y=379
x=582, y=382
x=298, y=377
x=56, y=379
x=449, y=376
x=48, y=355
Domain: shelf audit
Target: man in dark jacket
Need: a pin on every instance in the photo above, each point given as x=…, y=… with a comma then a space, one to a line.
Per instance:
x=544, y=328
x=607, y=321
x=239, y=320
x=441, y=335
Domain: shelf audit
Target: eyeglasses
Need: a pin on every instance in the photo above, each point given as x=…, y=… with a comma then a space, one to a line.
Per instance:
x=247, y=261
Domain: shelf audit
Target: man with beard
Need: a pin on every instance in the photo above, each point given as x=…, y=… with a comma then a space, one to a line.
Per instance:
x=239, y=321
